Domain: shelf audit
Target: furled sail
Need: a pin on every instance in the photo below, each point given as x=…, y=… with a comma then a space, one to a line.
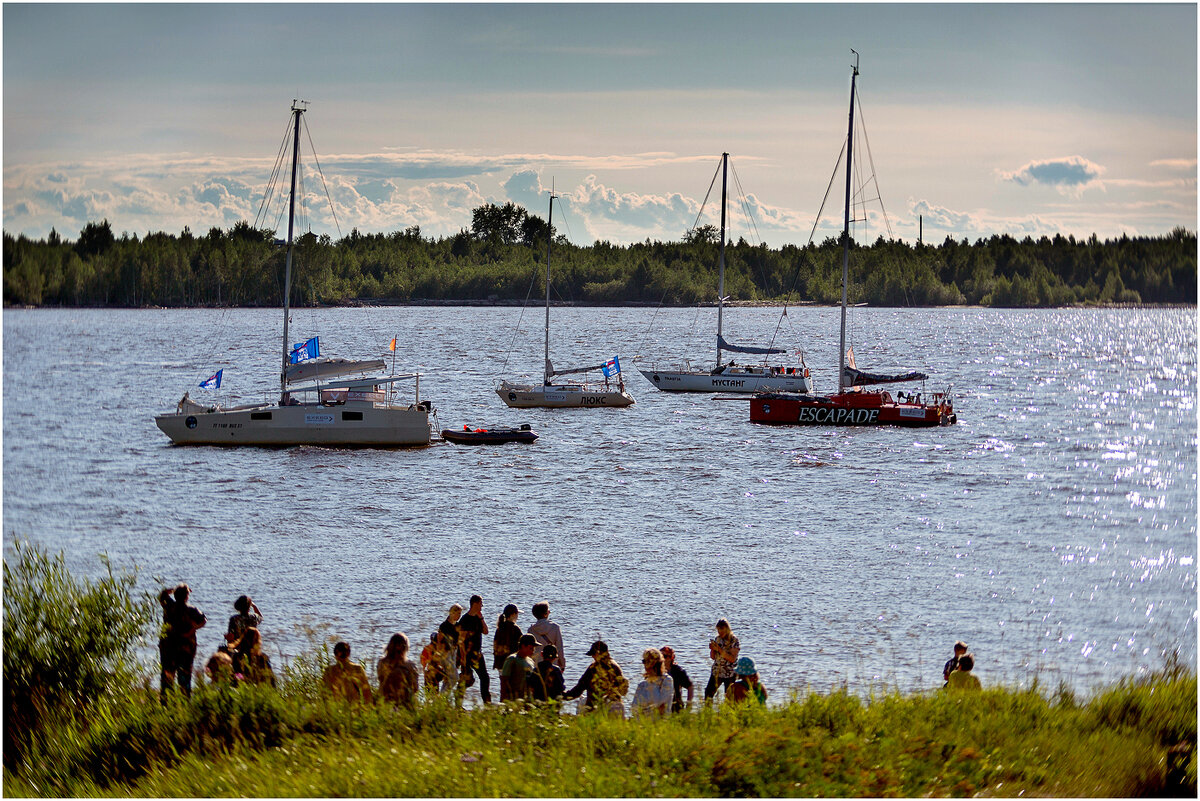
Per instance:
x=857, y=378
x=723, y=345
x=551, y=372
x=331, y=368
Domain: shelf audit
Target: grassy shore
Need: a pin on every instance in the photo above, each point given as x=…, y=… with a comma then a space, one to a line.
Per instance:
x=1135, y=738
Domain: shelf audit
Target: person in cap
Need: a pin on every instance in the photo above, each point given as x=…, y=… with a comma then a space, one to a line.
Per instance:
x=508, y=636
x=656, y=691
x=962, y=678
x=679, y=678
x=552, y=677
x=519, y=677
x=960, y=648
x=747, y=684
x=603, y=682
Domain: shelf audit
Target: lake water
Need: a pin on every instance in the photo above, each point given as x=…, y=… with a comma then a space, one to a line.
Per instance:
x=1053, y=529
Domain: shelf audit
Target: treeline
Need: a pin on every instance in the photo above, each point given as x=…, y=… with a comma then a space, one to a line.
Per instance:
x=501, y=257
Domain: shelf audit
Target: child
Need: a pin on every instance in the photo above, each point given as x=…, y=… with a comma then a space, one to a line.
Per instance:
x=552, y=677
x=962, y=679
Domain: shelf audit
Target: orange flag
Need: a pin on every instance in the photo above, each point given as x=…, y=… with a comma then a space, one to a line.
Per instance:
x=393, y=345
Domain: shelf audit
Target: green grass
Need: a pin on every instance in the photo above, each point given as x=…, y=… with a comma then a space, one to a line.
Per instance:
x=1135, y=738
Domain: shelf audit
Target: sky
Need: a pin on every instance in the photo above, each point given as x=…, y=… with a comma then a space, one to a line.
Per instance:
x=1020, y=119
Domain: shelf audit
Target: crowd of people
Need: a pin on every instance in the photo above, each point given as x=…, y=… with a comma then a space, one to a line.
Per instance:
x=530, y=664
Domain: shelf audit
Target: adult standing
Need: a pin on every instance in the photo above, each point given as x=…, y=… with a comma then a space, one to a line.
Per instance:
x=723, y=650
x=398, y=681
x=547, y=633
x=449, y=649
x=603, y=681
x=508, y=636
x=248, y=617
x=679, y=678
x=177, y=645
x=471, y=628
x=656, y=691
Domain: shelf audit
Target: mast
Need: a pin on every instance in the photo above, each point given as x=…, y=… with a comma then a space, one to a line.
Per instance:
x=721, y=262
x=846, y=230
x=549, y=241
x=297, y=110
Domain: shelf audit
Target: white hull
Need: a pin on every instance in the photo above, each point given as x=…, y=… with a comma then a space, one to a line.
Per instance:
x=561, y=396
x=747, y=380
x=351, y=424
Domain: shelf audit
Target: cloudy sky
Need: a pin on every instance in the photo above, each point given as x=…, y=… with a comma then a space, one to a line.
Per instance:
x=982, y=119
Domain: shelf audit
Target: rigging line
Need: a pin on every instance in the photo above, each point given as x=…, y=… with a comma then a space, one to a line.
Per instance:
x=650, y=327
x=744, y=202
x=707, y=195
x=811, y=234
x=317, y=161
x=871, y=160
x=272, y=181
x=520, y=317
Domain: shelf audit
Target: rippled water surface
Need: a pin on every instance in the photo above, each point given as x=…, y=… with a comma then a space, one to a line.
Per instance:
x=1053, y=529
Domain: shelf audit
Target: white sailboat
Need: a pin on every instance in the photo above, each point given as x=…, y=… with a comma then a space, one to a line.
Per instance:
x=731, y=377
x=332, y=402
x=565, y=394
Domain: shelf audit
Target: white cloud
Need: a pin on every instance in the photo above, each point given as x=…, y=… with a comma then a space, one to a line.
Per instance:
x=1069, y=175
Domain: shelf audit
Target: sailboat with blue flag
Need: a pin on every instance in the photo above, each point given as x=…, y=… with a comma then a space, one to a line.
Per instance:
x=748, y=377
x=554, y=392
x=322, y=401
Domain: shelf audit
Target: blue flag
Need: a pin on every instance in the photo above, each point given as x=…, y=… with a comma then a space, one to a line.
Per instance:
x=611, y=367
x=303, y=351
x=213, y=381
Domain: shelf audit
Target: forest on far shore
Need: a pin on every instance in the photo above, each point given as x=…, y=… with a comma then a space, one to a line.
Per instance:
x=502, y=256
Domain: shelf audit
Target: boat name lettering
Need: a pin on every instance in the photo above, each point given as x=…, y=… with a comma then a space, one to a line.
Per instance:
x=226, y=425
x=728, y=382
x=593, y=401
x=823, y=414
x=318, y=419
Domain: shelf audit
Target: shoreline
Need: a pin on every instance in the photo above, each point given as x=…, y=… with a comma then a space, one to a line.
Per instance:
x=369, y=303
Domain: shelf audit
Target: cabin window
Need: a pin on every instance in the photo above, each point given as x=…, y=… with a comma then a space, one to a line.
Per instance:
x=351, y=415
x=260, y=415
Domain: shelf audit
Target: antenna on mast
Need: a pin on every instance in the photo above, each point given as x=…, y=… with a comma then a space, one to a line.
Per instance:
x=855, y=52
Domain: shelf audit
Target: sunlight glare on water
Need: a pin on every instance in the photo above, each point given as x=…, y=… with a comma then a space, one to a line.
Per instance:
x=1053, y=529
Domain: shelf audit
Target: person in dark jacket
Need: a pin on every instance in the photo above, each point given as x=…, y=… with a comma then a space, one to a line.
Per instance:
x=177, y=645
x=679, y=676
x=507, y=637
x=603, y=681
x=552, y=677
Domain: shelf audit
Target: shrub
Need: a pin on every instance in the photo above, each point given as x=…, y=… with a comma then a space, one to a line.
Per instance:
x=67, y=642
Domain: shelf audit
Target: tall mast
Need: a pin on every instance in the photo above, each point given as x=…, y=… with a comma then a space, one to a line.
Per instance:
x=549, y=241
x=297, y=110
x=846, y=230
x=721, y=262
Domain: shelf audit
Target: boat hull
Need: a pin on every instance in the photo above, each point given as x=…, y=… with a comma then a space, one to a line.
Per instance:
x=342, y=425
x=569, y=396
x=849, y=409
x=738, y=381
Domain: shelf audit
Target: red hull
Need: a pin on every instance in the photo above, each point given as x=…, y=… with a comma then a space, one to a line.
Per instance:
x=850, y=409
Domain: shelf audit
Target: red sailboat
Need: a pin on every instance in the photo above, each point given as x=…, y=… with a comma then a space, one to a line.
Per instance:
x=853, y=405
